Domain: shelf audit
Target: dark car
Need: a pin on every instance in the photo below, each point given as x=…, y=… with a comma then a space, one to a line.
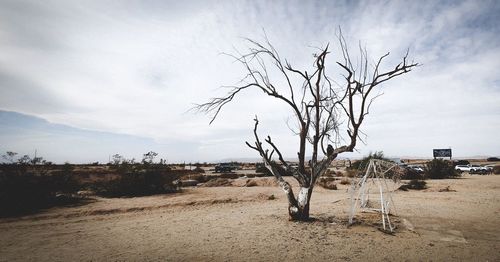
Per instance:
x=224, y=167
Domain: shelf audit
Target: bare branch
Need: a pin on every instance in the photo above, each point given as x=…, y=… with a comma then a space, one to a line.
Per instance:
x=320, y=105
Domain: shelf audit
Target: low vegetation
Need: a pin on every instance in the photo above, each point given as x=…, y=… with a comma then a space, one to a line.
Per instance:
x=327, y=183
x=440, y=169
x=138, y=180
x=415, y=184
x=412, y=174
x=29, y=184
x=25, y=188
x=363, y=163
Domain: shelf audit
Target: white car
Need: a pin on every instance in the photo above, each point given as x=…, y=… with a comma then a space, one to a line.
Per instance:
x=419, y=169
x=472, y=169
x=489, y=168
x=478, y=169
x=463, y=168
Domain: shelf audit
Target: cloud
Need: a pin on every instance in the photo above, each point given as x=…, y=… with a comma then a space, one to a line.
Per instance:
x=136, y=67
x=14, y=89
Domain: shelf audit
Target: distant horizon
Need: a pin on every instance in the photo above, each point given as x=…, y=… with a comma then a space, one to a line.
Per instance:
x=56, y=129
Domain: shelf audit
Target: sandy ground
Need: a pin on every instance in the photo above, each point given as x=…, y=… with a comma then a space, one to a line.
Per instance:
x=244, y=224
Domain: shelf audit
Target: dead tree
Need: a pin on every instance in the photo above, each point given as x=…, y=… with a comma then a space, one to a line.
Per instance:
x=320, y=106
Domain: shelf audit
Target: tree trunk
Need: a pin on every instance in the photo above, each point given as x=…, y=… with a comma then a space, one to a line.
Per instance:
x=299, y=210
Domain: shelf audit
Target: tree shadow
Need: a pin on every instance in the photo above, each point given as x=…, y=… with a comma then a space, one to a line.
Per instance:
x=24, y=208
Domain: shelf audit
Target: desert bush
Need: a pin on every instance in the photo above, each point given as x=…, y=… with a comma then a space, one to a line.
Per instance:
x=410, y=173
x=327, y=182
x=199, y=170
x=261, y=169
x=363, y=163
x=415, y=184
x=138, y=182
x=27, y=188
x=439, y=169
x=345, y=181
x=352, y=173
x=496, y=170
x=329, y=173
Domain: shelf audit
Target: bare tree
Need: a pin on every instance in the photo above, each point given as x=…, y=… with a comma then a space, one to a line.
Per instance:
x=320, y=106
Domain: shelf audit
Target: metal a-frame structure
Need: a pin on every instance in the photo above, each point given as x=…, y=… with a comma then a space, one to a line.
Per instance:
x=375, y=175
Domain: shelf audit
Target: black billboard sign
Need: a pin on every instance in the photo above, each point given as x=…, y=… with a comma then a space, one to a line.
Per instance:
x=442, y=153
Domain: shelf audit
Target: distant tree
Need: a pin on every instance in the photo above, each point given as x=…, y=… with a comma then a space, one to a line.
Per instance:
x=37, y=160
x=320, y=105
x=117, y=159
x=149, y=157
x=24, y=160
x=9, y=157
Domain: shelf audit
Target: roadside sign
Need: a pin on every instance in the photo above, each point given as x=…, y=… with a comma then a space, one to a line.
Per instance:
x=442, y=153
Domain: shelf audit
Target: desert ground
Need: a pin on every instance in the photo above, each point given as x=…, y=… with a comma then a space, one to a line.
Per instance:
x=237, y=223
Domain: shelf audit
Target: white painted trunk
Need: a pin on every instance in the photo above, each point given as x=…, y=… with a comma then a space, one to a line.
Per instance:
x=303, y=197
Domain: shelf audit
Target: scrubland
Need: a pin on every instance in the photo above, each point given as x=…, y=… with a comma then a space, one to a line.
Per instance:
x=238, y=222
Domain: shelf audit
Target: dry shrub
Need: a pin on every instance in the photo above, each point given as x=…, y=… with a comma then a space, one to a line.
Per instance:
x=199, y=170
x=340, y=173
x=135, y=184
x=447, y=189
x=26, y=189
x=262, y=196
x=261, y=170
x=345, y=181
x=496, y=170
x=329, y=173
x=414, y=184
x=327, y=183
x=411, y=174
x=351, y=173
x=440, y=169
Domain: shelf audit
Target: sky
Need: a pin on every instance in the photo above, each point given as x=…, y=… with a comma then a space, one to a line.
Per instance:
x=125, y=74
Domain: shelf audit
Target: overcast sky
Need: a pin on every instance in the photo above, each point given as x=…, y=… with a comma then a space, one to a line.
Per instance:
x=135, y=68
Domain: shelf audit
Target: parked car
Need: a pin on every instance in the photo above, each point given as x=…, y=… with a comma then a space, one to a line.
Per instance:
x=224, y=167
x=419, y=169
x=477, y=169
x=463, y=168
x=489, y=168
